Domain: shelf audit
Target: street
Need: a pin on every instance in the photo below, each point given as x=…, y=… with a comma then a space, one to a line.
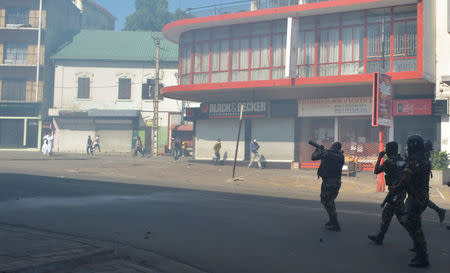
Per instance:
x=213, y=231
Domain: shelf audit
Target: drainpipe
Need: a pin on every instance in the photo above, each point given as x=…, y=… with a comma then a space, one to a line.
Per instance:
x=39, y=51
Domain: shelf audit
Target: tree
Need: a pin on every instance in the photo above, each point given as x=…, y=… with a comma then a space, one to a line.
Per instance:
x=152, y=15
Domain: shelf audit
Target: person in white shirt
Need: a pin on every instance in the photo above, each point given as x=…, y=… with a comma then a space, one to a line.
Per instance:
x=45, y=144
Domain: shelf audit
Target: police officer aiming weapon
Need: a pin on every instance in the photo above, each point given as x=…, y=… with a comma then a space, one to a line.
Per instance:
x=330, y=170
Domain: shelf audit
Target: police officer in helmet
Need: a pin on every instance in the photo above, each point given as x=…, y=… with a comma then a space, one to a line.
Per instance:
x=415, y=180
x=330, y=170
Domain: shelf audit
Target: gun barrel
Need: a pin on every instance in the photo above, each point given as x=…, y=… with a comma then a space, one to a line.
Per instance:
x=312, y=143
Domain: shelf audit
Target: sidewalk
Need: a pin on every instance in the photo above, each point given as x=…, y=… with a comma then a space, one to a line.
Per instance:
x=188, y=174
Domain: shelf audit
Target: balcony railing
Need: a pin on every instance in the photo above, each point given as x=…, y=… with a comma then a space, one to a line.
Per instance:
x=18, y=22
x=28, y=95
x=238, y=6
x=20, y=59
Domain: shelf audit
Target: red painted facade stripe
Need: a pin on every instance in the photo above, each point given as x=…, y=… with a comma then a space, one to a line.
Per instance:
x=368, y=78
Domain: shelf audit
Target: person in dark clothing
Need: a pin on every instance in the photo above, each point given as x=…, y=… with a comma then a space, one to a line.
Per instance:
x=138, y=147
x=330, y=170
x=89, y=148
x=415, y=180
x=441, y=212
x=393, y=169
x=177, y=148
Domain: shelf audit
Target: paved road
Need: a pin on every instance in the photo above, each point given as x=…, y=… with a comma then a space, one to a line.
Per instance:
x=216, y=232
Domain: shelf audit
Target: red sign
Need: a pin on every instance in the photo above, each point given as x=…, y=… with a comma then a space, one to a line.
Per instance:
x=413, y=107
x=382, y=100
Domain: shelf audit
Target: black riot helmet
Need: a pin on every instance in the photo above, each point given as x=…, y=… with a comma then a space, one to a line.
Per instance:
x=415, y=144
x=391, y=148
x=336, y=146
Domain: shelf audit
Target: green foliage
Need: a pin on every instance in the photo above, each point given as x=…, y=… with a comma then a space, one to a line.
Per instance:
x=152, y=15
x=439, y=160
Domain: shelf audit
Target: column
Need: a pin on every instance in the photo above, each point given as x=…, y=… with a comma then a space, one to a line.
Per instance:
x=25, y=127
x=336, y=129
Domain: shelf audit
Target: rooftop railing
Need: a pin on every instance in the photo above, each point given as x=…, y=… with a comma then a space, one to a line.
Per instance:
x=246, y=5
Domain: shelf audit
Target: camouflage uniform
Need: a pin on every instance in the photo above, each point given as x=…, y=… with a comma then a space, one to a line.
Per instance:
x=419, y=169
x=331, y=171
x=392, y=167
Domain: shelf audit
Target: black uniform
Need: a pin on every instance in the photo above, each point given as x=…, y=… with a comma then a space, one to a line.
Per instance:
x=330, y=170
x=416, y=179
x=393, y=169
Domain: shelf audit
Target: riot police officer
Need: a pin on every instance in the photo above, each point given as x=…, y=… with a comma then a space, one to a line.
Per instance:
x=393, y=168
x=441, y=212
x=330, y=170
x=415, y=180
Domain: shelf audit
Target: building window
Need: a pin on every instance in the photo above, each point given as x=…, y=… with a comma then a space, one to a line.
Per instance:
x=84, y=88
x=14, y=90
x=15, y=53
x=17, y=16
x=124, y=89
x=148, y=90
x=375, y=40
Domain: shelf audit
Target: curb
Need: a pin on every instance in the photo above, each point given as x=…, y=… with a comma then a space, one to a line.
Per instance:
x=87, y=258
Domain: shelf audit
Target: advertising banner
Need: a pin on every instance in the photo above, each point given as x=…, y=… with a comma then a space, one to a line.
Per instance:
x=382, y=100
x=258, y=109
x=332, y=107
x=413, y=107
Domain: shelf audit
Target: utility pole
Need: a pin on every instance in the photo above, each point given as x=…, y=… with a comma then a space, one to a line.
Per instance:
x=155, y=124
x=38, y=63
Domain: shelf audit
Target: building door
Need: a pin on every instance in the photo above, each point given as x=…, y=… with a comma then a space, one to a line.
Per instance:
x=11, y=132
x=32, y=133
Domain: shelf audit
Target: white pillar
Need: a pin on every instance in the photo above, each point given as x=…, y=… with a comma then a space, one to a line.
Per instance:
x=336, y=129
x=25, y=127
x=445, y=133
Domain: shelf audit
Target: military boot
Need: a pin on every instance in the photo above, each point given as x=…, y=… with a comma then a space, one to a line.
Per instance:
x=421, y=260
x=376, y=239
x=334, y=224
x=441, y=214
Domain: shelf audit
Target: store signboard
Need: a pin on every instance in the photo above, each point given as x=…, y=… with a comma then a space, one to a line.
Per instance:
x=382, y=100
x=332, y=107
x=412, y=107
x=258, y=109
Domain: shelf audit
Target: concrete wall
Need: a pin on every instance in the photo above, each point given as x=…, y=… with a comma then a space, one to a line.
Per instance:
x=429, y=40
x=207, y=132
x=443, y=65
x=104, y=86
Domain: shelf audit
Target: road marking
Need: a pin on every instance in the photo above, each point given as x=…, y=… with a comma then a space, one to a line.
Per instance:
x=440, y=193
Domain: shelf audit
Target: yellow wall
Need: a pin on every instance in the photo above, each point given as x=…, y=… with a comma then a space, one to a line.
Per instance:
x=32, y=54
x=2, y=18
x=31, y=91
x=34, y=18
x=1, y=53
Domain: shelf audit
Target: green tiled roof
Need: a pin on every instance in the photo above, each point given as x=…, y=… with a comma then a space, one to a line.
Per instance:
x=117, y=46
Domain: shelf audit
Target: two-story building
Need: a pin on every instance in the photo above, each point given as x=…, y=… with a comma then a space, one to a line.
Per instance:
x=105, y=86
x=333, y=49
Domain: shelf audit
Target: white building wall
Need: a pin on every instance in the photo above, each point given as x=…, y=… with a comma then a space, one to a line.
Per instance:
x=429, y=40
x=443, y=64
x=104, y=86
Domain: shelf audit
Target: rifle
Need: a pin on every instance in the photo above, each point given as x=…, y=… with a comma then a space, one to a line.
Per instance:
x=317, y=146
